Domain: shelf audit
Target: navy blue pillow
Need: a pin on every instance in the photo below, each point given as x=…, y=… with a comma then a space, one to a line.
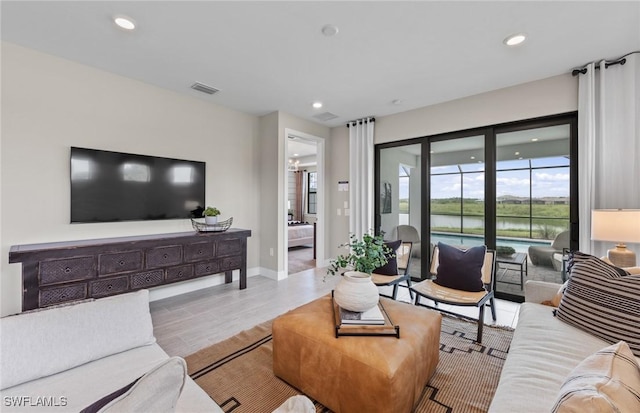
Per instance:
x=461, y=270
x=391, y=267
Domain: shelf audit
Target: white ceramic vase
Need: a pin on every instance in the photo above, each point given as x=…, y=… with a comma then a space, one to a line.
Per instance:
x=356, y=292
x=210, y=220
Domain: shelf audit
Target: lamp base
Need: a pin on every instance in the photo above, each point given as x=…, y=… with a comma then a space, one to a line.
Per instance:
x=621, y=257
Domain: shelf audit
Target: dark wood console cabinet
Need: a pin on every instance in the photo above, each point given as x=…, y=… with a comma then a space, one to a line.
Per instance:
x=58, y=272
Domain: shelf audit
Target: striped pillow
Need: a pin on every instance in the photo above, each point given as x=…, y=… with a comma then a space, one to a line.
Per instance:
x=577, y=256
x=607, y=381
x=601, y=301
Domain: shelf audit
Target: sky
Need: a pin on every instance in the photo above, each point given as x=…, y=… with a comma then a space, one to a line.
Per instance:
x=548, y=182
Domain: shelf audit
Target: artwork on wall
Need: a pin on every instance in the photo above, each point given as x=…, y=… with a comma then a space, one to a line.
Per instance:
x=385, y=198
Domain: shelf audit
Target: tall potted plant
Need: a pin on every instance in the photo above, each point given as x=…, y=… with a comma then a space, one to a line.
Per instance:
x=356, y=291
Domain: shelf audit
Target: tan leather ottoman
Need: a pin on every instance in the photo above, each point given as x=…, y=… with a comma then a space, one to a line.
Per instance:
x=357, y=374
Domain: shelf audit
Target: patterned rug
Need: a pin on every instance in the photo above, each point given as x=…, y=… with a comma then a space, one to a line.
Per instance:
x=237, y=373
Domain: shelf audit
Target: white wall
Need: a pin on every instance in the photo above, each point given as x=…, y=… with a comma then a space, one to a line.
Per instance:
x=50, y=104
x=544, y=97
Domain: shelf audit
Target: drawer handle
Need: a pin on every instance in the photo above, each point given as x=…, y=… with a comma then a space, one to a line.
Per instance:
x=121, y=263
x=179, y=273
x=148, y=279
x=165, y=256
x=200, y=252
x=67, y=270
x=109, y=287
x=208, y=268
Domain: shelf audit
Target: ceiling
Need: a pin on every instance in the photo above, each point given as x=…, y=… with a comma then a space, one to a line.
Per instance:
x=387, y=57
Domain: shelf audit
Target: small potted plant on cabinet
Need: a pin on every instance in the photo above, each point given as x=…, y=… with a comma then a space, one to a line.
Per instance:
x=211, y=215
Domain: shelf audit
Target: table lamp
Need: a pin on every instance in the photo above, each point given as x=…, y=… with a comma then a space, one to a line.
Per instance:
x=617, y=225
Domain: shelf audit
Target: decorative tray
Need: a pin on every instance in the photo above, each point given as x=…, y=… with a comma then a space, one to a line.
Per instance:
x=386, y=329
x=201, y=226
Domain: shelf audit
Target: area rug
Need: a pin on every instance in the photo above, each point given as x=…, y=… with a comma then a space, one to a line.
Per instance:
x=238, y=373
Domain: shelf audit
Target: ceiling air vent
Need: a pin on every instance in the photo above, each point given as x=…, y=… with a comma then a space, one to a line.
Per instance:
x=325, y=116
x=201, y=87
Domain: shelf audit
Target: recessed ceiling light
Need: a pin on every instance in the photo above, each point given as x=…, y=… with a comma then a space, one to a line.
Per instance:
x=317, y=105
x=124, y=22
x=473, y=157
x=517, y=153
x=295, y=154
x=329, y=30
x=396, y=102
x=534, y=140
x=515, y=39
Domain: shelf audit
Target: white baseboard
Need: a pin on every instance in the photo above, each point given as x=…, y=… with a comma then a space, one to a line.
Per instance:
x=274, y=275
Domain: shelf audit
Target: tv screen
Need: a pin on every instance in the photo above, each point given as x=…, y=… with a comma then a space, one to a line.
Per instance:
x=113, y=186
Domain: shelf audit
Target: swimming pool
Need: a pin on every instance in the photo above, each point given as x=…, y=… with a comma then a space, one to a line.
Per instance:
x=520, y=245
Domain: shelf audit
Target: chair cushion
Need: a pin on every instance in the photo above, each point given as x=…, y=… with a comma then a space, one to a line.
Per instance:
x=607, y=381
x=601, y=301
x=391, y=267
x=460, y=269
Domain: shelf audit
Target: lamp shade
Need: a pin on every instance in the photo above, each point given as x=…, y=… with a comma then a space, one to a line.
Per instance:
x=617, y=225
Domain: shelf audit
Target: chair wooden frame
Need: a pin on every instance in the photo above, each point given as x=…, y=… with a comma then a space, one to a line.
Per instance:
x=439, y=294
x=403, y=256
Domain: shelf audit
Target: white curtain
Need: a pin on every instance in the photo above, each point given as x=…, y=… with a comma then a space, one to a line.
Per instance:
x=361, y=176
x=608, y=143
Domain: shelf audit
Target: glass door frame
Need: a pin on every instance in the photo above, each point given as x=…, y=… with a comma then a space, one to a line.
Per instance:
x=489, y=132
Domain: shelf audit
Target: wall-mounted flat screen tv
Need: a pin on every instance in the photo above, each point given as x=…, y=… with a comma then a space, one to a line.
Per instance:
x=112, y=186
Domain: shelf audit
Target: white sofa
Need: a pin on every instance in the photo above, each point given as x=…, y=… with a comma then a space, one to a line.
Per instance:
x=64, y=359
x=543, y=352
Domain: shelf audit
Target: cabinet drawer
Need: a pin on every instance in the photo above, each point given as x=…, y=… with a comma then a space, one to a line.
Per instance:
x=147, y=279
x=199, y=251
x=67, y=269
x=208, y=267
x=119, y=262
x=229, y=247
x=52, y=296
x=230, y=263
x=164, y=256
x=179, y=273
x=109, y=286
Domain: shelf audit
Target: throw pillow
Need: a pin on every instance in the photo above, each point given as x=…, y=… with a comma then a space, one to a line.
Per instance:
x=460, y=269
x=156, y=391
x=391, y=267
x=607, y=381
x=577, y=256
x=602, y=302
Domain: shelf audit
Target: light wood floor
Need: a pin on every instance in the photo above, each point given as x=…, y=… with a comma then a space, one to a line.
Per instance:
x=186, y=323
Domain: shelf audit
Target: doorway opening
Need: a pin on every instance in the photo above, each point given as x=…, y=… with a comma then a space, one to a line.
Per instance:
x=304, y=194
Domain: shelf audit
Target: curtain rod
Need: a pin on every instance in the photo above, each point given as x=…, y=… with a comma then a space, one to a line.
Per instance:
x=360, y=121
x=620, y=61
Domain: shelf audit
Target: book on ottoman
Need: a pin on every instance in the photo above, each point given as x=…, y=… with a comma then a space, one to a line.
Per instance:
x=370, y=317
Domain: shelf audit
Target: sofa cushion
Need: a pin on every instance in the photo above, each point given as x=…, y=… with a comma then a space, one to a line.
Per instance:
x=543, y=352
x=607, y=381
x=43, y=343
x=156, y=391
x=460, y=269
x=601, y=301
x=109, y=373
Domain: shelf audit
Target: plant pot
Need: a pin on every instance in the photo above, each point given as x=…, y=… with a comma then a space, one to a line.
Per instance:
x=356, y=292
x=211, y=220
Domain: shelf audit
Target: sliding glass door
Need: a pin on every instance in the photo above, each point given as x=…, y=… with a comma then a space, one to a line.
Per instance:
x=533, y=199
x=399, y=206
x=457, y=193
x=511, y=187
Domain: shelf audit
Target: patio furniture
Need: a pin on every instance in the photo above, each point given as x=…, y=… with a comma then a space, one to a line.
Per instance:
x=543, y=255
